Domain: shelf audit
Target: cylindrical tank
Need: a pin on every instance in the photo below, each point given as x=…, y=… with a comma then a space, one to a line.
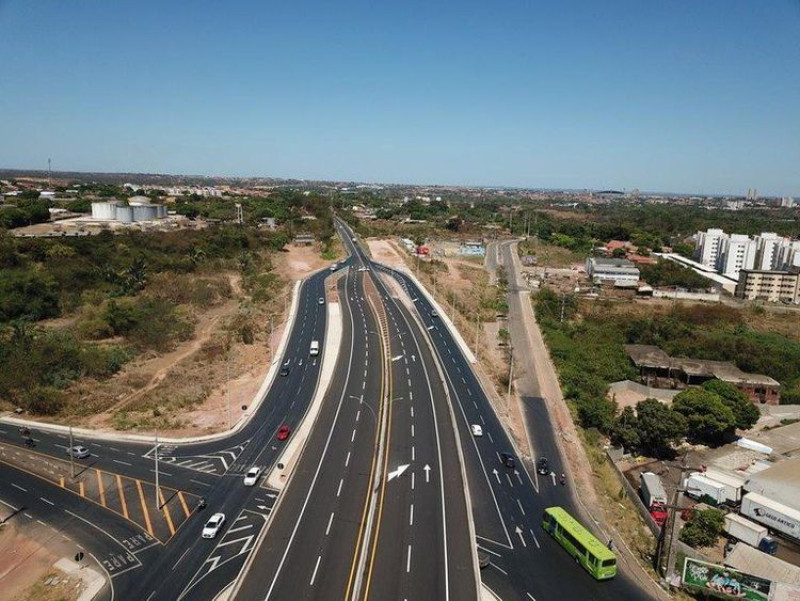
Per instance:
x=105, y=211
x=162, y=212
x=125, y=214
x=138, y=200
x=144, y=213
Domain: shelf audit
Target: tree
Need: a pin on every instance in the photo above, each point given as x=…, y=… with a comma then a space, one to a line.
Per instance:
x=703, y=528
x=597, y=412
x=709, y=420
x=746, y=413
x=625, y=431
x=658, y=427
x=619, y=253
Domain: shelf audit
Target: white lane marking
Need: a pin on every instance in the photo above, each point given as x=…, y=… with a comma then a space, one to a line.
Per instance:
x=536, y=540
x=316, y=567
x=199, y=482
x=330, y=521
x=489, y=434
x=412, y=480
x=122, y=462
x=498, y=568
x=483, y=421
x=413, y=453
x=358, y=415
x=520, y=506
x=347, y=461
x=412, y=410
x=353, y=437
x=411, y=516
x=339, y=490
x=408, y=560
x=412, y=430
x=46, y=501
x=19, y=487
x=240, y=528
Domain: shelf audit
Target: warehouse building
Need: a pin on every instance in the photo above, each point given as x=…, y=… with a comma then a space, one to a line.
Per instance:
x=619, y=272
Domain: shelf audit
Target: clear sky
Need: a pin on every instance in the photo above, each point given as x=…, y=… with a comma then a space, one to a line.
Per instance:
x=691, y=95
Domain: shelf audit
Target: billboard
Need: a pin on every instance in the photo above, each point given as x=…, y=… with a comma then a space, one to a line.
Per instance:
x=724, y=583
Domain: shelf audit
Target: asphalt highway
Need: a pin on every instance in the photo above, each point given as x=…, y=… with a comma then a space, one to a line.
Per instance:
x=508, y=504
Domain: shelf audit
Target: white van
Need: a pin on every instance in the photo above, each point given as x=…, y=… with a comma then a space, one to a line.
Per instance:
x=314, y=347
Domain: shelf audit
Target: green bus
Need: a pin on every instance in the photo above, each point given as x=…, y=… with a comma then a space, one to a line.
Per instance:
x=581, y=544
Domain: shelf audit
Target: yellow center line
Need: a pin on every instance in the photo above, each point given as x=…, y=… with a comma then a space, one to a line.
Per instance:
x=385, y=470
x=184, y=505
x=165, y=509
x=144, y=508
x=122, y=498
x=100, y=486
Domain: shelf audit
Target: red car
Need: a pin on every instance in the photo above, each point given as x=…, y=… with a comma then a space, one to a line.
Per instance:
x=283, y=432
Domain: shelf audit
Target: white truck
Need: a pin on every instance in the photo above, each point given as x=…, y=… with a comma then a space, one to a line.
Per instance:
x=654, y=496
x=314, y=348
x=753, y=534
x=705, y=489
x=733, y=485
x=775, y=516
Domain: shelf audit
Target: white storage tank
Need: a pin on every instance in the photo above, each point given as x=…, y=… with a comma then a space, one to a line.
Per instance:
x=144, y=212
x=125, y=214
x=105, y=211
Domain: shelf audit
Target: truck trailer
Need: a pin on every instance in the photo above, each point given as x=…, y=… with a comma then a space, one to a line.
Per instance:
x=775, y=516
x=654, y=496
x=733, y=485
x=755, y=535
x=705, y=489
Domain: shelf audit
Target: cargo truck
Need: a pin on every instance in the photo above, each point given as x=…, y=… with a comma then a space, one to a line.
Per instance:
x=314, y=348
x=705, y=489
x=753, y=534
x=654, y=496
x=775, y=516
x=733, y=485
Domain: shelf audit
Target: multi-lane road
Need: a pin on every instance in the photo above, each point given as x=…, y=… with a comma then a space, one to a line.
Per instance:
x=392, y=497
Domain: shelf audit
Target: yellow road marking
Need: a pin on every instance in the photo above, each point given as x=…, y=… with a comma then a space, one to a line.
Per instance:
x=165, y=509
x=82, y=488
x=100, y=486
x=61, y=481
x=184, y=505
x=144, y=507
x=372, y=468
x=122, y=497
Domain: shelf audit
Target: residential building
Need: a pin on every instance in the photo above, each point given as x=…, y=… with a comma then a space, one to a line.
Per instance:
x=788, y=255
x=736, y=252
x=770, y=286
x=619, y=272
x=767, y=244
x=708, y=246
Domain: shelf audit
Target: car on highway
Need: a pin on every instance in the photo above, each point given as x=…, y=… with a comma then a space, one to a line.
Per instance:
x=543, y=466
x=477, y=430
x=251, y=477
x=284, y=370
x=434, y=314
x=78, y=452
x=213, y=525
x=321, y=301
x=283, y=432
x=507, y=459
x=333, y=267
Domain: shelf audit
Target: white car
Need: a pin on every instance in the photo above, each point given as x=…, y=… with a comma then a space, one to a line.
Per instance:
x=477, y=430
x=321, y=300
x=78, y=452
x=213, y=526
x=251, y=477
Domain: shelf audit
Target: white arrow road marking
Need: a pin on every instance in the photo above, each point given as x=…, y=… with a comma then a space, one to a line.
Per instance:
x=496, y=475
x=553, y=477
x=427, y=469
x=518, y=530
x=414, y=358
x=398, y=472
x=272, y=495
x=397, y=358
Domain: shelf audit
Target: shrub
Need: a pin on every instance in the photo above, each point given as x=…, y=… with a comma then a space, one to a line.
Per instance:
x=703, y=528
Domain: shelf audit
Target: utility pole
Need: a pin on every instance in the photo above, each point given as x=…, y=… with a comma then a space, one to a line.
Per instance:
x=228, y=386
x=477, y=332
x=510, y=370
x=158, y=489
x=71, y=458
x=49, y=176
x=670, y=530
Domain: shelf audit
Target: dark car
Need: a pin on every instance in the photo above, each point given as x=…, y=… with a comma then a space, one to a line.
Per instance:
x=507, y=459
x=543, y=466
x=284, y=370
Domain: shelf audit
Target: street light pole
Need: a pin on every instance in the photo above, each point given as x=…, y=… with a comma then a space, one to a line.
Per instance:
x=158, y=489
x=71, y=458
x=510, y=370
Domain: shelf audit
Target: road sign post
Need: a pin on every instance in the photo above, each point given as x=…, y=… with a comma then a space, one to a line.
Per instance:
x=71, y=458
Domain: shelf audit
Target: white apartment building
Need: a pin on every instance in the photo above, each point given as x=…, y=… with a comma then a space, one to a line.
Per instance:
x=708, y=246
x=767, y=245
x=736, y=252
x=788, y=254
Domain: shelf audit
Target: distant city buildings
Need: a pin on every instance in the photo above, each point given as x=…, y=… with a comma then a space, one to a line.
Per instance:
x=730, y=254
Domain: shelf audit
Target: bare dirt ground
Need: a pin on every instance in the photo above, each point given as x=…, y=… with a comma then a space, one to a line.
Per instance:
x=202, y=385
x=26, y=564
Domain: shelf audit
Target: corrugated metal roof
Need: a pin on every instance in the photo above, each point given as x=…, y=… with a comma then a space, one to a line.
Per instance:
x=756, y=563
x=780, y=483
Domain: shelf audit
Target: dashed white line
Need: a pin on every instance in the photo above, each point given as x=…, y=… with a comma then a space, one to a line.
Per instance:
x=520, y=506
x=339, y=490
x=353, y=437
x=411, y=516
x=316, y=567
x=19, y=487
x=46, y=501
x=408, y=560
x=347, y=460
x=330, y=521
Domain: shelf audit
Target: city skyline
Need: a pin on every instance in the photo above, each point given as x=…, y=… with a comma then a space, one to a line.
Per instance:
x=694, y=99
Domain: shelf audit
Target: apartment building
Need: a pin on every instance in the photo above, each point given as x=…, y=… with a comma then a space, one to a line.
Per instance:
x=708, y=246
x=737, y=252
x=770, y=286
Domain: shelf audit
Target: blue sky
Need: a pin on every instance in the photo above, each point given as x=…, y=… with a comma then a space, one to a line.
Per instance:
x=699, y=96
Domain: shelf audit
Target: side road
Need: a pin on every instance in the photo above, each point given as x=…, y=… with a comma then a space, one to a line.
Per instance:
x=537, y=382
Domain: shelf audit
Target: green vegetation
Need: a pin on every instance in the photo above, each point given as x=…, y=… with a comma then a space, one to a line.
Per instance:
x=119, y=296
x=703, y=528
x=586, y=342
x=667, y=273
